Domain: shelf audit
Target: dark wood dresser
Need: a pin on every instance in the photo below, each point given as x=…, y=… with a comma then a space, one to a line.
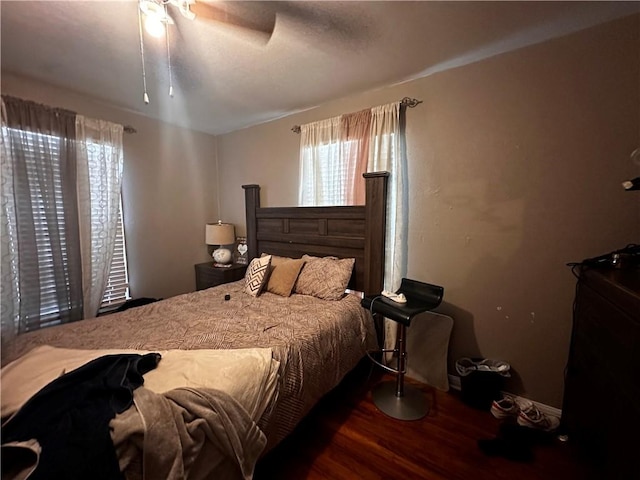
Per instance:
x=601, y=408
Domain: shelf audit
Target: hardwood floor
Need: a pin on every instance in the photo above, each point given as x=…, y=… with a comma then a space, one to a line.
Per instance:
x=347, y=437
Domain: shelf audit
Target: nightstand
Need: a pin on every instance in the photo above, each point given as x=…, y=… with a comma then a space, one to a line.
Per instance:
x=209, y=276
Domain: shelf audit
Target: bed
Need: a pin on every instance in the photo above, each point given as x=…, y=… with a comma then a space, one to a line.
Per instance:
x=260, y=362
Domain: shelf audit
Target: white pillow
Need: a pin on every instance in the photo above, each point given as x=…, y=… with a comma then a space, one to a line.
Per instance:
x=256, y=277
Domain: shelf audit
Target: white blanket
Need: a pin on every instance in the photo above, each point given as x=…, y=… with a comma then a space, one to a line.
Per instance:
x=247, y=375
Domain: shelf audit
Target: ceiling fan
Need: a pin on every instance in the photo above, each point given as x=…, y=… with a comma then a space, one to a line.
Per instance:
x=157, y=15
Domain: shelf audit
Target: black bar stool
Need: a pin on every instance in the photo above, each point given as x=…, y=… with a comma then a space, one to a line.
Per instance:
x=398, y=400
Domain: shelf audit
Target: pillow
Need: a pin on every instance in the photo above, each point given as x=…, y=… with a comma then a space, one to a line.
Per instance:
x=256, y=276
x=326, y=278
x=283, y=275
x=276, y=258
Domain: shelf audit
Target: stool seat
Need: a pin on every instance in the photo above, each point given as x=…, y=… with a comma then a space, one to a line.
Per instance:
x=401, y=313
x=398, y=402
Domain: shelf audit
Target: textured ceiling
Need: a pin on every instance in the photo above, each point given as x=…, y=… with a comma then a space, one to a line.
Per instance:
x=226, y=78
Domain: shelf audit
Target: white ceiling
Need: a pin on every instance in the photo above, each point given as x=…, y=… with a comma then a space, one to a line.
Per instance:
x=226, y=78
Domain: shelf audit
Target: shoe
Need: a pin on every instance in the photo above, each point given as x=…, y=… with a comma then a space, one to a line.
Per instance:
x=531, y=417
x=505, y=408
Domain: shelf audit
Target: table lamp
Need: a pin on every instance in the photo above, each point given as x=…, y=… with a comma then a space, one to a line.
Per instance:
x=220, y=234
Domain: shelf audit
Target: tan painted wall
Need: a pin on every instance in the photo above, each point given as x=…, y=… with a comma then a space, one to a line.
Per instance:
x=169, y=180
x=515, y=166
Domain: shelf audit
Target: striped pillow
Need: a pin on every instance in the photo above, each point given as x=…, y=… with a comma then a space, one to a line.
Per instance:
x=256, y=276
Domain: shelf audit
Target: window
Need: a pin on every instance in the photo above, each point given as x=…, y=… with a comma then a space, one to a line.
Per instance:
x=331, y=181
x=44, y=224
x=117, y=289
x=48, y=227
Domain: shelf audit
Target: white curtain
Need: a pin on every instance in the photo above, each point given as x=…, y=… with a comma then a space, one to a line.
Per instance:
x=320, y=146
x=100, y=161
x=325, y=159
x=387, y=152
x=9, y=261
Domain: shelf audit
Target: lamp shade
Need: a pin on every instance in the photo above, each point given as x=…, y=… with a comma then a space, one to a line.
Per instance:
x=220, y=234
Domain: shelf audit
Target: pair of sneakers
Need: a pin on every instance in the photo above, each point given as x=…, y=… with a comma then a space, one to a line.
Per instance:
x=526, y=413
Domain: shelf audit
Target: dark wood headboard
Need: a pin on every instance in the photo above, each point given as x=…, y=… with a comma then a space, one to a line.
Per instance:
x=345, y=232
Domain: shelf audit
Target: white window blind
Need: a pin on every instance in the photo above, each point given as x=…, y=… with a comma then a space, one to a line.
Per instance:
x=117, y=289
x=33, y=144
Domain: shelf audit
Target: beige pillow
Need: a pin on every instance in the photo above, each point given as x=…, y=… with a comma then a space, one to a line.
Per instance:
x=256, y=276
x=326, y=278
x=283, y=275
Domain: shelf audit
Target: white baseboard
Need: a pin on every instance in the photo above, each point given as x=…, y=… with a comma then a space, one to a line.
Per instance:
x=454, y=383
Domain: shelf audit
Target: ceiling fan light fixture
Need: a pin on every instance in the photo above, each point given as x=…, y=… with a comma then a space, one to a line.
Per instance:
x=155, y=17
x=152, y=8
x=154, y=26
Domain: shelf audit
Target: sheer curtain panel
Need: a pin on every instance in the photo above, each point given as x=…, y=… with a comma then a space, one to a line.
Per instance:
x=100, y=160
x=41, y=264
x=320, y=145
x=387, y=152
x=355, y=130
x=333, y=156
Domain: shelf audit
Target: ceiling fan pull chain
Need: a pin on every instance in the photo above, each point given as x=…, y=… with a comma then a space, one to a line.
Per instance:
x=168, y=53
x=144, y=74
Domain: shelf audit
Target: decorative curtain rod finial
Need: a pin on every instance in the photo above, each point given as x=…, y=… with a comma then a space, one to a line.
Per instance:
x=296, y=129
x=410, y=102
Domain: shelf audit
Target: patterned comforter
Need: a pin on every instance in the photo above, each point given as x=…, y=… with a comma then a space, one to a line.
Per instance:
x=316, y=341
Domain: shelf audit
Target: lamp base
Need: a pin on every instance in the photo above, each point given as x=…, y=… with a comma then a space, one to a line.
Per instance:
x=222, y=255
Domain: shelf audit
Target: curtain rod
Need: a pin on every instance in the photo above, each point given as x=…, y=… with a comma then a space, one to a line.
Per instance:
x=125, y=128
x=405, y=102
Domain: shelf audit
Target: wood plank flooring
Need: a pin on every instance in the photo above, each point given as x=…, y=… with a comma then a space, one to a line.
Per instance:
x=347, y=437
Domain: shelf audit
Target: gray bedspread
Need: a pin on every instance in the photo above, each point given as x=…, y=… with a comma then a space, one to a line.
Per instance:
x=316, y=341
x=186, y=433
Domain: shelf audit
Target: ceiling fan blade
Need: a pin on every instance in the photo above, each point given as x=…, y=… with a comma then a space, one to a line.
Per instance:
x=209, y=12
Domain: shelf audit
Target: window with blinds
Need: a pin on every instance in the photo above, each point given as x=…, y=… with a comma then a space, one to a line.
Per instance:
x=46, y=228
x=43, y=223
x=117, y=289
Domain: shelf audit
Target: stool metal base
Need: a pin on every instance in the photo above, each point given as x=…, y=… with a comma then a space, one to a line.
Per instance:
x=412, y=406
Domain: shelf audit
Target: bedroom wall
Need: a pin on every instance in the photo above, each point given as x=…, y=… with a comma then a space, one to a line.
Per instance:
x=515, y=166
x=168, y=194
